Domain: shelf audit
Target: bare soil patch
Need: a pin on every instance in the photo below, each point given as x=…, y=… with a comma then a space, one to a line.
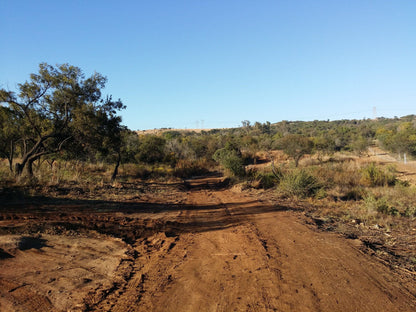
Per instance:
x=193, y=246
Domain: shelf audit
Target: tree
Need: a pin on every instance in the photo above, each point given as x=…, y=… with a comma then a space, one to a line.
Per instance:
x=323, y=146
x=360, y=144
x=295, y=146
x=8, y=135
x=99, y=132
x=151, y=149
x=264, y=128
x=231, y=161
x=49, y=109
x=401, y=139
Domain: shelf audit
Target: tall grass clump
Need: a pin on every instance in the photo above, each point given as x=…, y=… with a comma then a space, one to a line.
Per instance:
x=188, y=168
x=399, y=200
x=267, y=180
x=381, y=205
x=341, y=179
x=263, y=179
x=300, y=183
x=372, y=175
x=5, y=174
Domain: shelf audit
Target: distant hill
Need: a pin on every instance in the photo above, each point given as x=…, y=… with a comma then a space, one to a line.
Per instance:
x=162, y=130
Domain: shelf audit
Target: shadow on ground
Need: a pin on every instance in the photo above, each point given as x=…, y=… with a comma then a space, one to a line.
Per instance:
x=127, y=220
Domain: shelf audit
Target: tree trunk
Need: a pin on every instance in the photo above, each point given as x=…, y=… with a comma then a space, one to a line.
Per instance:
x=19, y=168
x=11, y=164
x=11, y=156
x=27, y=161
x=297, y=159
x=33, y=154
x=115, y=172
x=26, y=158
x=30, y=167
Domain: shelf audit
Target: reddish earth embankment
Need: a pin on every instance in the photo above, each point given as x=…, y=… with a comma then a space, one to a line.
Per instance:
x=203, y=248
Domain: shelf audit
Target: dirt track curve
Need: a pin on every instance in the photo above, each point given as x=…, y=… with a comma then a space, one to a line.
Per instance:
x=212, y=250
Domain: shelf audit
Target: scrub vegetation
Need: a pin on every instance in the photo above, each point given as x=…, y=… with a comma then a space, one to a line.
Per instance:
x=59, y=128
x=61, y=138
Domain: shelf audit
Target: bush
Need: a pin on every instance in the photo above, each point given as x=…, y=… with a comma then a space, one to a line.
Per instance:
x=151, y=149
x=340, y=178
x=300, y=182
x=395, y=201
x=371, y=175
x=188, y=168
x=231, y=161
x=381, y=205
x=136, y=171
x=265, y=180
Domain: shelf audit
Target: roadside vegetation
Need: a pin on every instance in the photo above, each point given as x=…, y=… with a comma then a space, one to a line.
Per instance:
x=58, y=130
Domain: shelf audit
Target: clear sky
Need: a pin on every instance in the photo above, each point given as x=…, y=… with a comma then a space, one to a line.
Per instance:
x=214, y=63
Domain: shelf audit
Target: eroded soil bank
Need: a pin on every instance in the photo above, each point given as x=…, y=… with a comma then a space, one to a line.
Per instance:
x=194, y=247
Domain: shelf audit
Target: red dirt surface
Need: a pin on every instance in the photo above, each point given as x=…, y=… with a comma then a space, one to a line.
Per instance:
x=197, y=247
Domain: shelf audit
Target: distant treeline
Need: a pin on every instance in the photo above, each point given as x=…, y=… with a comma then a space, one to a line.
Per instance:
x=60, y=114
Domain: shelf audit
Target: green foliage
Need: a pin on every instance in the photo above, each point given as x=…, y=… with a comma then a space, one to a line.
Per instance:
x=299, y=182
x=151, y=149
x=264, y=128
x=58, y=110
x=266, y=180
x=371, y=175
x=323, y=146
x=60, y=114
x=359, y=144
x=399, y=200
x=130, y=146
x=295, y=146
x=399, y=137
x=231, y=161
x=9, y=134
x=341, y=178
x=380, y=205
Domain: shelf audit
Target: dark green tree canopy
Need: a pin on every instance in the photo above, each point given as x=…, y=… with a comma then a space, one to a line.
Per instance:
x=48, y=110
x=295, y=146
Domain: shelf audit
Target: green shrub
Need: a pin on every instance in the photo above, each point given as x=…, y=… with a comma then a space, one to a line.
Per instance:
x=410, y=211
x=395, y=201
x=266, y=180
x=371, y=175
x=381, y=205
x=300, y=182
x=231, y=161
x=344, y=173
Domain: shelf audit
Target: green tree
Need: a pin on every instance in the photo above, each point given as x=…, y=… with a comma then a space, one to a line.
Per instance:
x=99, y=130
x=151, y=149
x=8, y=135
x=49, y=106
x=400, y=139
x=360, y=144
x=231, y=160
x=295, y=146
x=323, y=146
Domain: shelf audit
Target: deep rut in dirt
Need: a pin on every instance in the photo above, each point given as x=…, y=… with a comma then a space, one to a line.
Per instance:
x=212, y=250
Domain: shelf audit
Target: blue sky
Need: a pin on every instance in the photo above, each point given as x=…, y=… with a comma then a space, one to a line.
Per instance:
x=212, y=64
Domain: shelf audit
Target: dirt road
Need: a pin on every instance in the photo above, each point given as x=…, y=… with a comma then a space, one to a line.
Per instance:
x=206, y=249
